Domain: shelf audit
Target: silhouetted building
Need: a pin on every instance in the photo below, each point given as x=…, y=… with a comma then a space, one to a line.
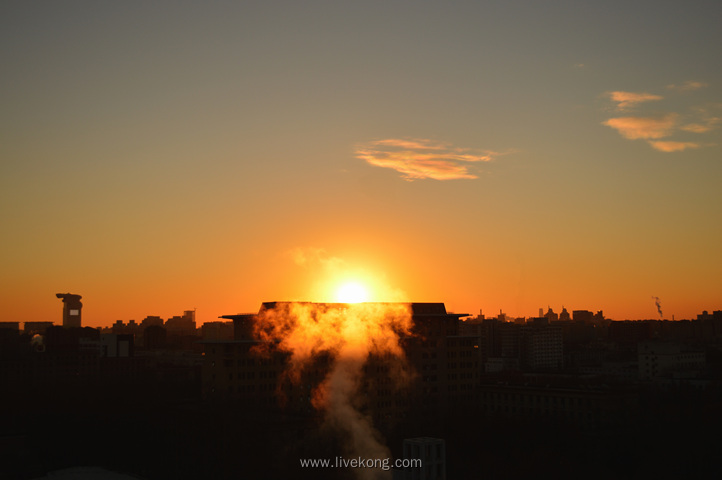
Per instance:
x=446, y=365
x=533, y=346
x=551, y=316
x=590, y=407
x=500, y=345
x=33, y=328
x=541, y=346
x=151, y=321
x=667, y=359
x=182, y=326
x=431, y=452
x=118, y=327
x=14, y=326
x=584, y=316
x=243, y=324
x=155, y=337
x=71, y=355
x=630, y=332
x=71, y=309
x=113, y=345
x=217, y=331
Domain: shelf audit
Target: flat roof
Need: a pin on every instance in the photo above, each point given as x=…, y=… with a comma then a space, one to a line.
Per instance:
x=417, y=308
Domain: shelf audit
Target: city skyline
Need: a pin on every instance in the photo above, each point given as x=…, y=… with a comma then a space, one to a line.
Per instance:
x=312, y=381
x=491, y=157
x=352, y=300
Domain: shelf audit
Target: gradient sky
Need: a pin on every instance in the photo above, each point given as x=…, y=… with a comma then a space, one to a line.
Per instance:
x=164, y=156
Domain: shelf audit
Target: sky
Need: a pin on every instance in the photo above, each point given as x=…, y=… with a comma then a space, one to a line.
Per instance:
x=157, y=157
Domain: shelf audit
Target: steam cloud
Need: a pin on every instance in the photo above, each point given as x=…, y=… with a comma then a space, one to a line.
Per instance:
x=349, y=334
x=658, y=303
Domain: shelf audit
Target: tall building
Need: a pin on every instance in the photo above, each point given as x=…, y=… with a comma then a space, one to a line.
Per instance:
x=533, y=346
x=541, y=346
x=71, y=309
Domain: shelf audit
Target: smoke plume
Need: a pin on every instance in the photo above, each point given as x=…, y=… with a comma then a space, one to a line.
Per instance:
x=347, y=334
x=658, y=303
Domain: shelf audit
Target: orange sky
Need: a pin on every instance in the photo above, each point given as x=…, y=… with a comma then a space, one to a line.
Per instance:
x=491, y=158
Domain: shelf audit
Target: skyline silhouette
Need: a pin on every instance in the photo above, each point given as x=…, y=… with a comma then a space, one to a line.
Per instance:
x=357, y=384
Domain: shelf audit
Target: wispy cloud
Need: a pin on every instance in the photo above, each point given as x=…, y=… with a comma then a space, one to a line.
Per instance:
x=710, y=123
x=626, y=100
x=696, y=128
x=410, y=144
x=657, y=129
x=421, y=158
x=688, y=86
x=314, y=257
x=665, y=146
x=643, y=127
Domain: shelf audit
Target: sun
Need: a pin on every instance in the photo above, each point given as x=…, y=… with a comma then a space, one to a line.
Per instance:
x=352, y=292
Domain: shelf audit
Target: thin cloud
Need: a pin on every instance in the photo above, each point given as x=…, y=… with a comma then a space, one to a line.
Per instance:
x=311, y=257
x=696, y=128
x=627, y=100
x=664, y=146
x=710, y=123
x=421, y=158
x=643, y=127
x=660, y=130
x=410, y=144
x=688, y=86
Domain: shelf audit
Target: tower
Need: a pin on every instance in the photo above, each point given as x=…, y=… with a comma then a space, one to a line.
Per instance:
x=71, y=309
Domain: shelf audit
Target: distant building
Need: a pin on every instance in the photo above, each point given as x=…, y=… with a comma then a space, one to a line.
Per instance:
x=533, y=346
x=113, y=345
x=217, y=331
x=667, y=359
x=431, y=452
x=15, y=326
x=182, y=326
x=541, y=346
x=590, y=407
x=71, y=309
x=118, y=327
x=630, y=332
x=583, y=316
x=155, y=337
x=33, y=328
x=151, y=321
x=550, y=315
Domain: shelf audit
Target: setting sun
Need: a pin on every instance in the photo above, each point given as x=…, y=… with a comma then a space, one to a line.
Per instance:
x=352, y=292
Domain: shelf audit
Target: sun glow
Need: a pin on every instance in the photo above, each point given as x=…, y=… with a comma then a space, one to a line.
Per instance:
x=352, y=292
